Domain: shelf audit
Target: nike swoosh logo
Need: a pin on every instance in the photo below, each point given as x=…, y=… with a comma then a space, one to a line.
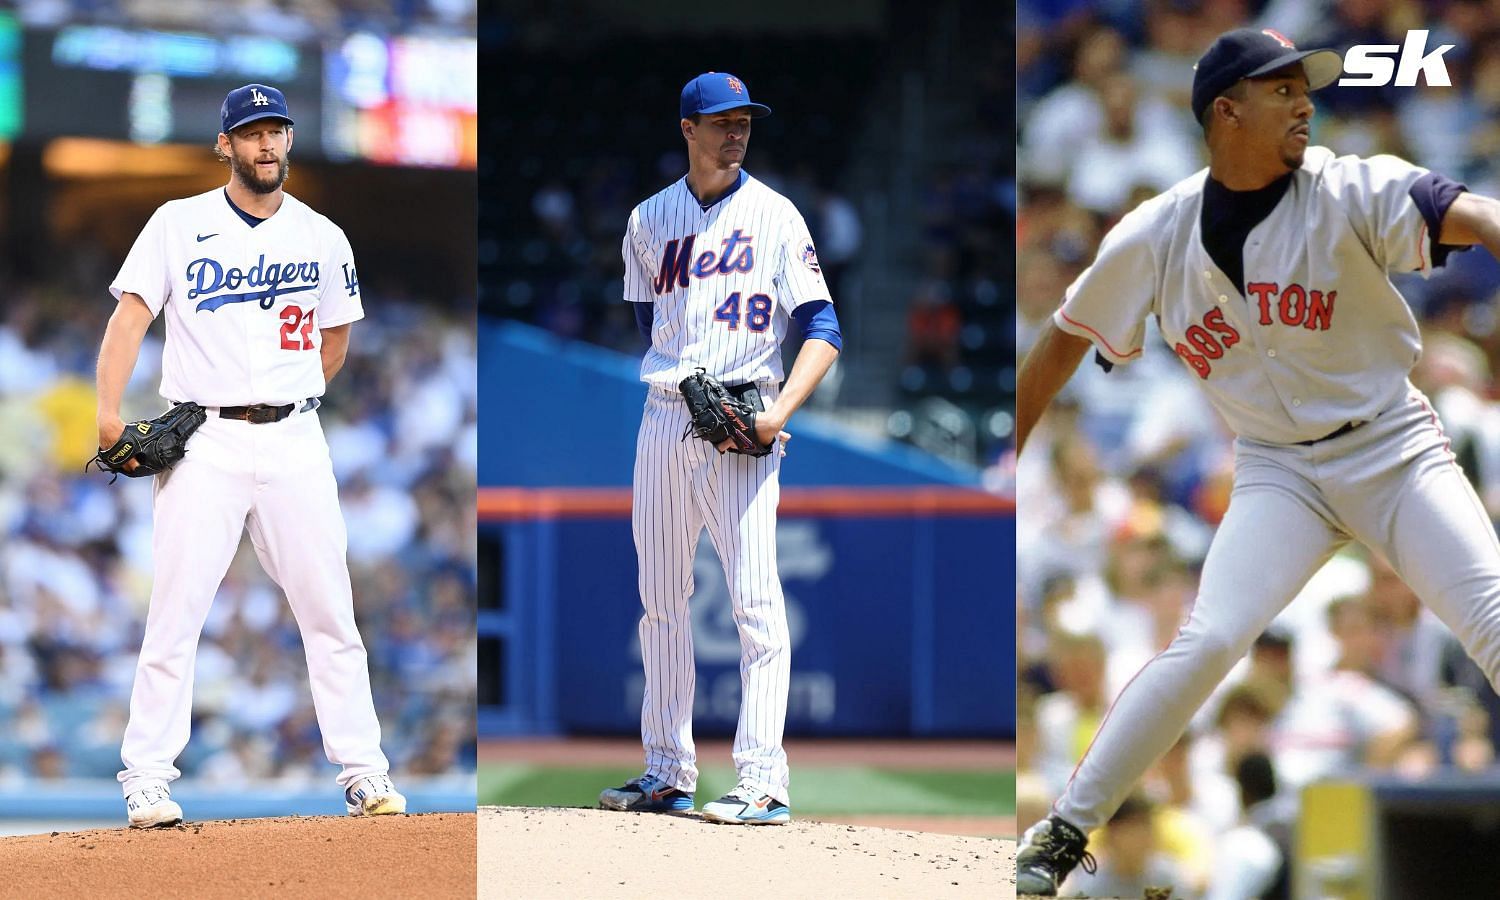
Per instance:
x=762, y=804
x=204, y=237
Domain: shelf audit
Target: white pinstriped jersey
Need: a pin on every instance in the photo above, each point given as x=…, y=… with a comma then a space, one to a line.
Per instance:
x=244, y=305
x=1320, y=339
x=724, y=281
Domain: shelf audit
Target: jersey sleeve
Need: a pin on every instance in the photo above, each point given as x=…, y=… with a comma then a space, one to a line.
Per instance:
x=1109, y=301
x=638, y=281
x=339, y=301
x=144, y=271
x=799, y=277
x=1376, y=195
x=1434, y=194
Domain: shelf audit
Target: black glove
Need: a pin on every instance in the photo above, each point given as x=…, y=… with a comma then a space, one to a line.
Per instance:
x=155, y=444
x=716, y=415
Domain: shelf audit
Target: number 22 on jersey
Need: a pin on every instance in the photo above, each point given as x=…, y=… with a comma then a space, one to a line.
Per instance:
x=757, y=312
x=296, y=329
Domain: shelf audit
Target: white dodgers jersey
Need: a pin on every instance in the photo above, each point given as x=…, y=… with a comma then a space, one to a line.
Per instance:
x=724, y=280
x=1319, y=339
x=243, y=305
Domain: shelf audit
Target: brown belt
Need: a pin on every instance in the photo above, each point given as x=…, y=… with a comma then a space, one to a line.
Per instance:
x=262, y=414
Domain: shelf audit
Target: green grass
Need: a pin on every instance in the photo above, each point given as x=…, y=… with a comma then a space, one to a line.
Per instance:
x=816, y=791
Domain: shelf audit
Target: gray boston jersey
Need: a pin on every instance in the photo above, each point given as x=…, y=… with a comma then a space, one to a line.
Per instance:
x=1319, y=339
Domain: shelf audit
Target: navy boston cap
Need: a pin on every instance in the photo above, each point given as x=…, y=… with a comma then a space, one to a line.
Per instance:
x=251, y=102
x=1250, y=53
x=714, y=92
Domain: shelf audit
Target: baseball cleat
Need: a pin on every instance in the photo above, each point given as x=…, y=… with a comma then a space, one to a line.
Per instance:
x=747, y=806
x=373, y=795
x=1050, y=850
x=152, y=807
x=646, y=794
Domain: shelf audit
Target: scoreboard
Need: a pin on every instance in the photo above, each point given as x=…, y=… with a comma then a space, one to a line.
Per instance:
x=403, y=100
x=390, y=100
x=154, y=86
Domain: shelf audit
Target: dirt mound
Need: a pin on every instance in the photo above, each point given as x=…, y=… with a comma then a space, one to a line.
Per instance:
x=539, y=853
x=317, y=856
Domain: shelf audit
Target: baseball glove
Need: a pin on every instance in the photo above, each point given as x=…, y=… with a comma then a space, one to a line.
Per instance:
x=155, y=444
x=715, y=414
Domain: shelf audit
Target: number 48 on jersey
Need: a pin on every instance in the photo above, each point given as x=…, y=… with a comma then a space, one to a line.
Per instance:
x=757, y=312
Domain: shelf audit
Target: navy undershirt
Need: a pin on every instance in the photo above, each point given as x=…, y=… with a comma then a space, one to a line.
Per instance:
x=1433, y=194
x=1228, y=218
x=250, y=220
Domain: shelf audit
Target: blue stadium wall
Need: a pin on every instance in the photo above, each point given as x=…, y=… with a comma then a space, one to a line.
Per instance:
x=899, y=573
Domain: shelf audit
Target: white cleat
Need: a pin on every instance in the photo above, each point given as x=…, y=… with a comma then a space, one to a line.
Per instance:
x=373, y=795
x=747, y=806
x=152, y=807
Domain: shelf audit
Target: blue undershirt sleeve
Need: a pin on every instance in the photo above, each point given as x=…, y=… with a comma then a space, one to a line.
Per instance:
x=818, y=320
x=1433, y=194
x=645, y=314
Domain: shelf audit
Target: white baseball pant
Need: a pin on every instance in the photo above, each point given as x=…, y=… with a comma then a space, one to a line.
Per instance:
x=276, y=479
x=1391, y=484
x=680, y=487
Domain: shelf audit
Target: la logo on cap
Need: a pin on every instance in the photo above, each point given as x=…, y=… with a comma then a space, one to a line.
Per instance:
x=1280, y=38
x=259, y=99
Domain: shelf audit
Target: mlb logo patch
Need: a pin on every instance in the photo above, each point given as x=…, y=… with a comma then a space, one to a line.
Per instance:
x=810, y=258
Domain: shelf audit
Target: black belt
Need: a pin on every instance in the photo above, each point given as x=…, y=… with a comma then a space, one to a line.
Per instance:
x=262, y=414
x=1348, y=427
x=749, y=393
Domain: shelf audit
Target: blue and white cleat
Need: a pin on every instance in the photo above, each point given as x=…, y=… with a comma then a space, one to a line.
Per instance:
x=646, y=794
x=747, y=806
x=152, y=807
x=373, y=795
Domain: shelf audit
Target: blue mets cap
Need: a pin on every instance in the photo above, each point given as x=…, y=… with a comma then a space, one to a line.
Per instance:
x=714, y=92
x=251, y=102
x=1251, y=53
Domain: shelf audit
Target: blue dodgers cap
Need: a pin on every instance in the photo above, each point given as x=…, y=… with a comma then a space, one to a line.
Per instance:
x=251, y=102
x=714, y=92
x=1250, y=53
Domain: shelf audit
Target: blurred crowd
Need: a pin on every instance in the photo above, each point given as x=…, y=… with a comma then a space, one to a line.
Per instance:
x=292, y=20
x=561, y=269
x=960, y=346
x=558, y=266
x=75, y=559
x=1125, y=480
x=912, y=224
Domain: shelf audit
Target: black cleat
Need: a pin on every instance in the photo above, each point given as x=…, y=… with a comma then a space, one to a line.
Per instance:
x=1050, y=850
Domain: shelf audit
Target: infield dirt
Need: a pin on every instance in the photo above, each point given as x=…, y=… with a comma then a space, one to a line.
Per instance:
x=429, y=856
x=550, y=852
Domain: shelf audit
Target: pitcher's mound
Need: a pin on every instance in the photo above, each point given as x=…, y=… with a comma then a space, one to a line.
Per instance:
x=319, y=856
x=538, y=853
